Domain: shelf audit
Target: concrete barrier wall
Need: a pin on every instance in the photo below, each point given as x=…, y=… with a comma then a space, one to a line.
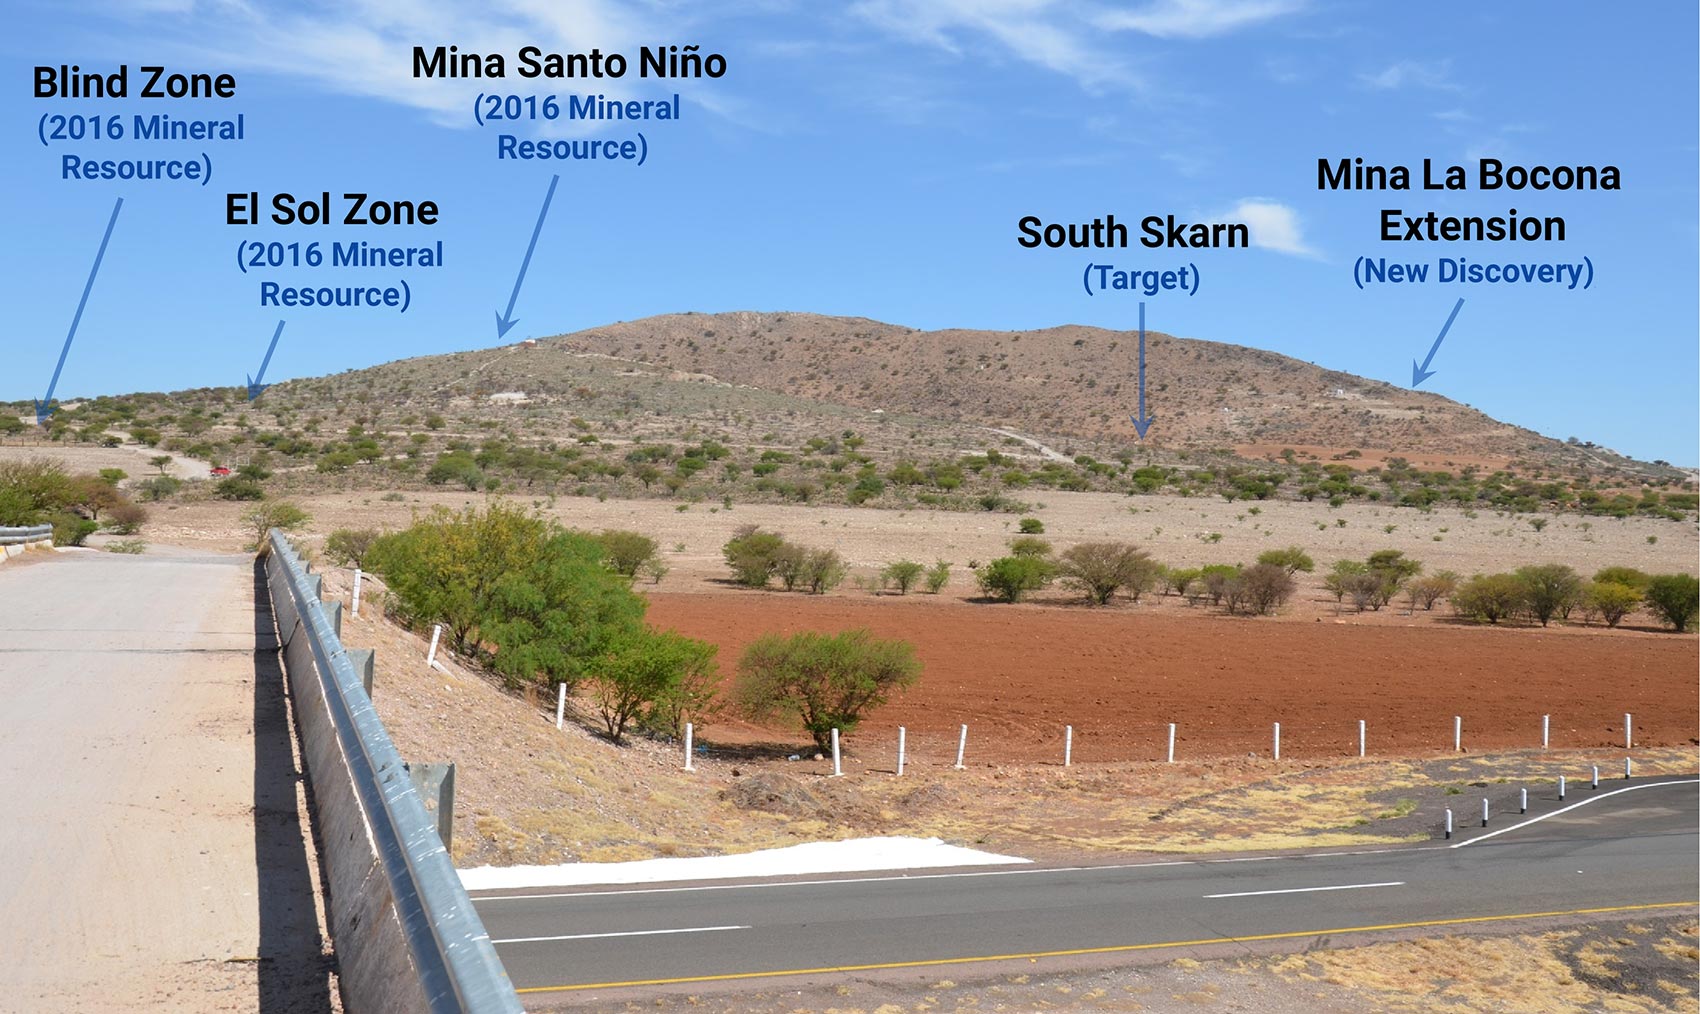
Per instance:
x=406, y=935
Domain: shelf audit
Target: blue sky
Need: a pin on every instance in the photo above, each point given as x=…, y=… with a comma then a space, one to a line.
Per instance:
x=872, y=159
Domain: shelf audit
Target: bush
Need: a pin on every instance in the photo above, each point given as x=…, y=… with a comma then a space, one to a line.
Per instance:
x=822, y=570
x=1611, y=601
x=1367, y=590
x=1031, y=526
x=126, y=518
x=160, y=487
x=1548, y=589
x=1426, y=591
x=1263, y=588
x=1177, y=580
x=1674, y=598
x=1216, y=580
x=823, y=681
x=349, y=546
x=1010, y=577
x=71, y=529
x=1028, y=546
x=30, y=490
x=648, y=670
x=239, y=489
x=281, y=515
x=1100, y=569
x=902, y=575
x=754, y=555
x=522, y=595
x=626, y=553
x=1292, y=559
x=938, y=575
x=1489, y=597
x=1627, y=576
x=1339, y=579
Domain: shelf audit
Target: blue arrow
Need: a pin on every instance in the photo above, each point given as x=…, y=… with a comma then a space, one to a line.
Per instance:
x=44, y=407
x=505, y=320
x=1422, y=373
x=1142, y=422
x=258, y=384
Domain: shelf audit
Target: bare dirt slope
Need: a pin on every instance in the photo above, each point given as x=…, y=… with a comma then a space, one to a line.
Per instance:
x=1072, y=382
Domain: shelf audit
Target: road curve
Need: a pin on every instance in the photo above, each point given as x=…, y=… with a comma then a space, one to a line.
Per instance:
x=1622, y=854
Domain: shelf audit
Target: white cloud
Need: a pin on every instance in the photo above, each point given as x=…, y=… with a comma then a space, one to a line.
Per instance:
x=1273, y=226
x=1414, y=73
x=1196, y=19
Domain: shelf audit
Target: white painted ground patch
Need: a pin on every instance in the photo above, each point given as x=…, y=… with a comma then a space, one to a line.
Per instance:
x=857, y=855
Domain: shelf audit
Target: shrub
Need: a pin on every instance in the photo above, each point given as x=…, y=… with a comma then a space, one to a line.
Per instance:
x=938, y=575
x=644, y=668
x=1029, y=546
x=1215, y=581
x=655, y=569
x=1176, y=580
x=71, y=529
x=1292, y=559
x=753, y=555
x=823, y=681
x=1490, y=597
x=239, y=489
x=1627, y=576
x=1264, y=588
x=1100, y=569
x=823, y=570
x=281, y=514
x=32, y=489
x=1367, y=590
x=1674, y=598
x=1010, y=577
x=126, y=518
x=525, y=597
x=128, y=547
x=902, y=575
x=1426, y=591
x=1339, y=577
x=1031, y=526
x=626, y=553
x=1548, y=589
x=1611, y=601
x=349, y=546
x=159, y=487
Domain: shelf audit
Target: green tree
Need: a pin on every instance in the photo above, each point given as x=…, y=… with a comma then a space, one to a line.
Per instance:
x=1489, y=597
x=822, y=681
x=1628, y=576
x=1029, y=546
x=754, y=555
x=646, y=670
x=626, y=553
x=234, y=488
x=1292, y=559
x=349, y=546
x=279, y=514
x=1031, y=526
x=1675, y=598
x=823, y=570
x=1339, y=579
x=1548, y=588
x=1612, y=601
x=902, y=575
x=1011, y=577
x=1100, y=569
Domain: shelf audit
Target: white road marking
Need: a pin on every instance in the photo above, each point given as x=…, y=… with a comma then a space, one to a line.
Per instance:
x=628, y=933
x=1023, y=871
x=1572, y=806
x=1307, y=890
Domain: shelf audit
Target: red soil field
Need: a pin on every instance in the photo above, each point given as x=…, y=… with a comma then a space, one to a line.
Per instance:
x=1018, y=674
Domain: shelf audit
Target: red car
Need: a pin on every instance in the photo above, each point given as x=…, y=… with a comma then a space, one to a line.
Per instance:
x=220, y=470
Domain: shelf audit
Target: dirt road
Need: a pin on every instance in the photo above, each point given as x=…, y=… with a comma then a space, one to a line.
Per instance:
x=153, y=855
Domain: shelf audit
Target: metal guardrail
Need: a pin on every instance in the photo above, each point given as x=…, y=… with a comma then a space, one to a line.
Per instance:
x=450, y=953
x=26, y=535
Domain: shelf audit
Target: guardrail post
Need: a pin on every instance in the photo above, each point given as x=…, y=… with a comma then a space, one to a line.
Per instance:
x=436, y=785
x=333, y=612
x=364, y=661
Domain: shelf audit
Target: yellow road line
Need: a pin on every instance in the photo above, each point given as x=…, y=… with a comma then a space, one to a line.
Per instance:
x=1119, y=949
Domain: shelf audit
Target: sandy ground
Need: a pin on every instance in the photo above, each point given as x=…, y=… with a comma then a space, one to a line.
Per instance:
x=132, y=458
x=154, y=850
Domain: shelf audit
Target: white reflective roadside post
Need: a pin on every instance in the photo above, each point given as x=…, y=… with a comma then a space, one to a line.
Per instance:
x=1363, y=736
x=431, y=655
x=961, y=747
x=1277, y=740
x=837, y=766
x=355, y=606
x=1546, y=730
x=690, y=734
x=561, y=706
x=902, y=748
x=1068, y=745
x=1458, y=733
x=1171, y=742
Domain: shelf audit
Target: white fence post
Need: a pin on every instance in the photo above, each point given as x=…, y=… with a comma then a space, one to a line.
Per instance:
x=837, y=766
x=690, y=734
x=1524, y=807
x=431, y=655
x=355, y=608
x=902, y=744
x=961, y=746
x=1596, y=777
x=1561, y=788
x=1449, y=822
x=1277, y=740
x=1171, y=742
x=1546, y=730
x=1628, y=768
x=561, y=706
x=1458, y=733
x=1628, y=730
x=1484, y=811
x=1068, y=745
x=1363, y=736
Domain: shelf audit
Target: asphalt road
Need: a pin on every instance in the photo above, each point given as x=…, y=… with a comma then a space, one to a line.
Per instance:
x=1631, y=852
x=150, y=850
